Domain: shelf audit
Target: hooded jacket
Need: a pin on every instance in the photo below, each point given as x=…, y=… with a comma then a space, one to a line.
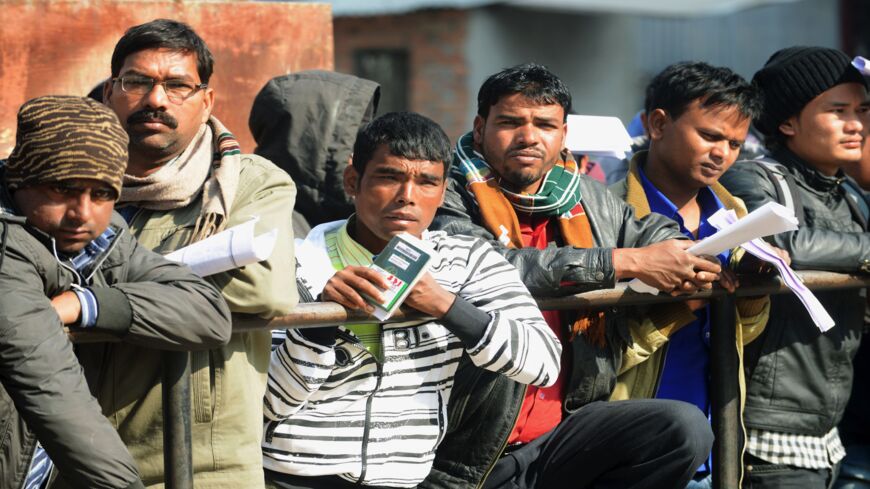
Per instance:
x=142, y=298
x=306, y=123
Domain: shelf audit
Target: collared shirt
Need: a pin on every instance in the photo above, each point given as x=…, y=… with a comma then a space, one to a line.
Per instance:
x=685, y=375
x=541, y=409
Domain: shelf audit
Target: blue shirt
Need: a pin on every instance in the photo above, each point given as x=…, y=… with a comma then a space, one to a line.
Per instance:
x=686, y=372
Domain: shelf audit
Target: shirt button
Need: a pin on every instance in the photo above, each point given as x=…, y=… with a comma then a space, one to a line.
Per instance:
x=540, y=395
x=599, y=276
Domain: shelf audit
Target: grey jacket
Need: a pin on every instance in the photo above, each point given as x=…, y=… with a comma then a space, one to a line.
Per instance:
x=142, y=298
x=800, y=378
x=483, y=407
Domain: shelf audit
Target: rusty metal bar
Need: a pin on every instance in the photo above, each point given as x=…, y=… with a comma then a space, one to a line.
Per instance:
x=723, y=370
x=724, y=393
x=177, y=448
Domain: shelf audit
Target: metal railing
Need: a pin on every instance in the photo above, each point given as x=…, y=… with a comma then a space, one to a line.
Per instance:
x=724, y=364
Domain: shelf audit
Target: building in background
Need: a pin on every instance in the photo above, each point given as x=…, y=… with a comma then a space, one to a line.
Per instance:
x=431, y=56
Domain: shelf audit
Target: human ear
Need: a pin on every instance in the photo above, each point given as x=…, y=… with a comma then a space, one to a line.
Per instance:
x=656, y=122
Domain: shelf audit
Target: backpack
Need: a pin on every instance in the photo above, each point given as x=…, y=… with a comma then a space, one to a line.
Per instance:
x=783, y=182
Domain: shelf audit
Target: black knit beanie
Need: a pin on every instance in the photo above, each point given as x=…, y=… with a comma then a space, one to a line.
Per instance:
x=793, y=76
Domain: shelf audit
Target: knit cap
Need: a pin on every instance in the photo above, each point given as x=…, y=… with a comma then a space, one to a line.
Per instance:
x=793, y=76
x=64, y=138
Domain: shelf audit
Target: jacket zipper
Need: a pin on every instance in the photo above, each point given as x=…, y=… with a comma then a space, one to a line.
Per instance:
x=664, y=350
x=353, y=340
x=504, y=443
x=367, y=429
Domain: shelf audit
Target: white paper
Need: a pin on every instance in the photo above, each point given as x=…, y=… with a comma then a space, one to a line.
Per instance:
x=767, y=220
x=760, y=249
x=862, y=64
x=597, y=136
x=232, y=248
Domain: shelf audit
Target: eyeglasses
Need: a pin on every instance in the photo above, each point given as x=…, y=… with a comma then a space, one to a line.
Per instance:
x=177, y=91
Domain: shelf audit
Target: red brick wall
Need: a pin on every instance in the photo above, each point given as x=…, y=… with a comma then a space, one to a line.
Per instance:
x=65, y=47
x=435, y=40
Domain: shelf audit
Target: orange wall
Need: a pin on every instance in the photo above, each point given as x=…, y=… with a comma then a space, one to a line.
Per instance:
x=65, y=47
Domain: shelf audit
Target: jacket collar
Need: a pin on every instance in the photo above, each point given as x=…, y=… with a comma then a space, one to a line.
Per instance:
x=812, y=177
x=637, y=198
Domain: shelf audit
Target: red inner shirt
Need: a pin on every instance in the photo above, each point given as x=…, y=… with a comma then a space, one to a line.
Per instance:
x=542, y=406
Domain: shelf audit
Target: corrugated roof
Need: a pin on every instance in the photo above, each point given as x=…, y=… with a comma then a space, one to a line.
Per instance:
x=668, y=8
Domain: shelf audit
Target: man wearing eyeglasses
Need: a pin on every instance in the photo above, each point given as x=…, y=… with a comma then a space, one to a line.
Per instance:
x=187, y=180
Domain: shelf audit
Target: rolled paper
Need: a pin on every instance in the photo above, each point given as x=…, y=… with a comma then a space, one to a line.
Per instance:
x=232, y=248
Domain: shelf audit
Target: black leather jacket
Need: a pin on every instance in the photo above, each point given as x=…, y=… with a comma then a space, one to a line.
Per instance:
x=800, y=378
x=484, y=406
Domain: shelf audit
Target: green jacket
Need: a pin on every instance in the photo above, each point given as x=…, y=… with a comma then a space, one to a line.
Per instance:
x=228, y=383
x=137, y=293
x=643, y=360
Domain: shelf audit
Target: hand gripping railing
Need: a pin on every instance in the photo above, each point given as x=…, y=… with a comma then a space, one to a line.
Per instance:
x=724, y=366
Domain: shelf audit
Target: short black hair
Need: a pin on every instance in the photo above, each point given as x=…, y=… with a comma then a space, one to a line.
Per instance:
x=163, y=34
x=678, y=85
x=407, y=135
x=534, y=81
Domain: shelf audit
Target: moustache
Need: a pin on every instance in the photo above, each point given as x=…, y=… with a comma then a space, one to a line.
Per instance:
x=526, y=150
x=151, y=116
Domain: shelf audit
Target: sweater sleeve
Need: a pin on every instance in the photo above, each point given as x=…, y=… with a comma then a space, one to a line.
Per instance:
x=297, y=370
x=517, y=341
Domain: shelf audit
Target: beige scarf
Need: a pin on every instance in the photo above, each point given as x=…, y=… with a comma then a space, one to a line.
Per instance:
x=210, y=164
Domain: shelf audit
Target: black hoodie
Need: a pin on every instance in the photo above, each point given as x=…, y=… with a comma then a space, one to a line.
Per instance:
x=306, y=123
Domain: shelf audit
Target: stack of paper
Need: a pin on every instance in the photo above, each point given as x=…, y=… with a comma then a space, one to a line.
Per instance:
x=597, y=136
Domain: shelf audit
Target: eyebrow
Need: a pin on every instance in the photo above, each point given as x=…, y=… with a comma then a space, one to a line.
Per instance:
x=134, y=71
x=389, y=170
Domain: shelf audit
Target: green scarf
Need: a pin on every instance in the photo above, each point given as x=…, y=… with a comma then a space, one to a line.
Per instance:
x=343, y=252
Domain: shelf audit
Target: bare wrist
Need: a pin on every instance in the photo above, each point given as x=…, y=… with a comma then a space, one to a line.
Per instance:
x=624, y=263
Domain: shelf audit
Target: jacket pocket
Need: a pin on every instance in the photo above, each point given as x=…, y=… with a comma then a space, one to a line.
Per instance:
x=202, y=386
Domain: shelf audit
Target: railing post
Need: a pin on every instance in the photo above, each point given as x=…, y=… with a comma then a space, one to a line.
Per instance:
x=177, y=451
x=724, y=393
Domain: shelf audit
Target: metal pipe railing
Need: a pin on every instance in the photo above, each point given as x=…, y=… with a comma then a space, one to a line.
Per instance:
x=724, y=365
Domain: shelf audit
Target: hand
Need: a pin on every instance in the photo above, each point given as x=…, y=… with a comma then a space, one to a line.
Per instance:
x=67, y=306
x=346, y=286
x=667, y=266
x=728, y=280
x=782, y=254
x=429, y=297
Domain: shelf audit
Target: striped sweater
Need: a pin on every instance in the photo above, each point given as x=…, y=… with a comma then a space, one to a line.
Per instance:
x=338, y=411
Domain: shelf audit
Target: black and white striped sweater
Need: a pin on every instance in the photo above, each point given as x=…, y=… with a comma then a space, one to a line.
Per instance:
x=337, y=411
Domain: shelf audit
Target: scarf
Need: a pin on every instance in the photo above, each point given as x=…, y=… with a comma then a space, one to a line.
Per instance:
x=209, y=166
x=343, y=251
x=559, y=197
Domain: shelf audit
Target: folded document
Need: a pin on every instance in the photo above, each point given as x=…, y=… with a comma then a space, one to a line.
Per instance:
x=767, y=220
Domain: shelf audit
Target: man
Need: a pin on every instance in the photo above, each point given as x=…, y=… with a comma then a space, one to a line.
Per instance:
x=513, y=183
x=366, y=404
x=815, y=109
x=186, y=181
x=66, y=259
x=698, y=118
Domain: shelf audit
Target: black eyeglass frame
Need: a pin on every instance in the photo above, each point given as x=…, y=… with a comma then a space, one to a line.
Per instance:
x=155, y=83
